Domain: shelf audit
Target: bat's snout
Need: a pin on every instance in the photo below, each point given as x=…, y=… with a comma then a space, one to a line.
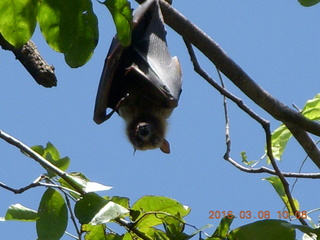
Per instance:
x=146, y=135
x=144, y=129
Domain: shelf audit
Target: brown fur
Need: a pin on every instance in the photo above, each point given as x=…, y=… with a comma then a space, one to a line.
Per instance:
x=146, y=122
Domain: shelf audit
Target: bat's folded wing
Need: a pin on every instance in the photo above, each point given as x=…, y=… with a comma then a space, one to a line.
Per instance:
x=146, y=64
x=155, y=61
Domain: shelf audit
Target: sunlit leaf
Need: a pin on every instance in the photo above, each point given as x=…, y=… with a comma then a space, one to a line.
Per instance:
x=21, y=213
x=281, y=135
x=305, y=229
x=53, y=216
x=123, y=201
x=52, y=154
x=278, y=186
x=122, y=17
x=263, y=230
x=174, y=228
x=224, y=227
x=109, y=212
x=154, y=233
x=96, y=187
x=312, y=108
x=279, y=140
x=158, y=204
x=96, y=232
x=86, y=38
x=96, y=210
x=82, y=182
x=18, y=20
x=70, y=27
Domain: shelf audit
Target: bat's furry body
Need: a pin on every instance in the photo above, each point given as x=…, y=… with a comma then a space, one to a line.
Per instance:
x=141, y=82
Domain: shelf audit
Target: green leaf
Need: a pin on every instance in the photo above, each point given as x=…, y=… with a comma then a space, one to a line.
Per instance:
x=153, y=204
x=18, y=20
x=108, y=213
x=278, y=186
x=224, y=227
x=279, y=140
x=96, y=232
x=263, y=230
x=21, y=213
x=53, y=216
x=38, y=149
x=51, y=154
x=70, y=27
x=174, y=228
x=97, y=210
x=281, y=135
x=79, y=180
x=123, y=201
x=244, y=158
x=96, y=187
x=312, y=108
x=115, y=236
x=86, y=38
x=122, y=16
x=88, y=206
x=154, y=233
x=305, y=229
x=308, y=3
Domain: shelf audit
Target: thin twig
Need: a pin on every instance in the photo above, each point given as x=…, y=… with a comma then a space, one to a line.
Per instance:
x=223, y=91
x=73, y=219
x=272, y=172
x=282, y=178
x=225, y=105
x=35, y=183
x=305, y=141
x=300, y=169
x=130, y=228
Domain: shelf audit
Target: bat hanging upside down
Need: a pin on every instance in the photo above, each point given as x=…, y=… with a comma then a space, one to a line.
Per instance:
x=141, y=82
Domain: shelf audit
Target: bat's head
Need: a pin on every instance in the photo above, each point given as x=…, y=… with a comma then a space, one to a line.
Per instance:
x=148, y=132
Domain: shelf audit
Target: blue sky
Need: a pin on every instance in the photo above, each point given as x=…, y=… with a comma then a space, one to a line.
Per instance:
x=276, y=43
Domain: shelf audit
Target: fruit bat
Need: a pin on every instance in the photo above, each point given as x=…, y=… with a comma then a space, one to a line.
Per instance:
x=141, y=82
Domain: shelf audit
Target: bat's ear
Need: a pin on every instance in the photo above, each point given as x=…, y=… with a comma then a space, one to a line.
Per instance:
x=165, y=147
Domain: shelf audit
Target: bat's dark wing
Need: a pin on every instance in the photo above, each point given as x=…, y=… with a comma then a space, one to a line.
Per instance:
x=145, y=64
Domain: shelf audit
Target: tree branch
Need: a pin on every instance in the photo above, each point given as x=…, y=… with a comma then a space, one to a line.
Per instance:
x=265, y=125
x=307, y=143
x=35, y=183
x=24, y=148
x=275, y=108
x=229, y=68
x=272, y=172
x=247, y=110
x=31, y=59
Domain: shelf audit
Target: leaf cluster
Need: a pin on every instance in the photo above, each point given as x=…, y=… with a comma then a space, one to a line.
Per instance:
x=150, y=217
x=69, y=27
